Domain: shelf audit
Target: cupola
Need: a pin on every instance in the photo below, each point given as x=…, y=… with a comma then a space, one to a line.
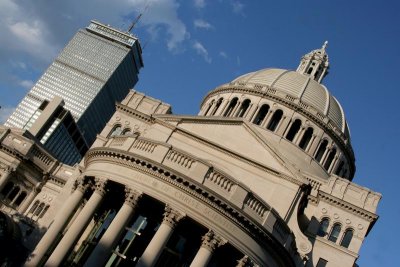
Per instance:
x=315, y=64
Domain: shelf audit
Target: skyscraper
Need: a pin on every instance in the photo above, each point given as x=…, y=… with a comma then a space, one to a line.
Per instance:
x=96, y=69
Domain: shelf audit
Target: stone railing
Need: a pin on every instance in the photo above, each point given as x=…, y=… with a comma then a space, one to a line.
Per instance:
x=256, y=205
x=220, y=180
x=41, y=158
x=144, y=145
x=179, y=159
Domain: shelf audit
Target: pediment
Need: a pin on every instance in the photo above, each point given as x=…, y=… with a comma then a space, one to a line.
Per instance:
x=238, y=137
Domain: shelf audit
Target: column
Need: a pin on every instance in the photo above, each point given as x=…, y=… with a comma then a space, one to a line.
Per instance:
x=4, y=177
x=113, y=233
x=28, y=200
x=77, y=227
x=211, y=241
x=58, y=224
x=160, y=239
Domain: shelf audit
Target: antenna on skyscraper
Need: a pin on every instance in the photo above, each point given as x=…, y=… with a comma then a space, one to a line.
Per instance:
x=138, y=17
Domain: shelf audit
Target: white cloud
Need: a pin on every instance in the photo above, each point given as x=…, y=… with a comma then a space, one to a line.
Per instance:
x=5, y=112
x=199, y=3
x=223, y=54
x=202, y=24
x=237, y=7
x=33, y=32
x=27, y=84
x=163, y=13
x=202, y=51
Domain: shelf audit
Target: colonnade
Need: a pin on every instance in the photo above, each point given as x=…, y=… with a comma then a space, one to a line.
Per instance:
x=58, y=246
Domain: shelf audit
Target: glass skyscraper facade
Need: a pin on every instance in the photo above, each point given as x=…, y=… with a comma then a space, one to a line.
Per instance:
x=97, y=68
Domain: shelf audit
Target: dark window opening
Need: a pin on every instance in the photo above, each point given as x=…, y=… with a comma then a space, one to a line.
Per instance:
x=276, y=118
x=20, y=198
x=34, y=206
x=335, y=233
x=309, y=70
x=13, y=193
x=262, y=113
x=329, y=159
x=339, y=168
x=219, y=102
x=243, y=108
x=7, y=188
x=294, y=129
x=306, y=138
x=323, y=227
x=321, y=150
x=231, y=106
x=209, y=107
x=348, y=235
x=322, y=263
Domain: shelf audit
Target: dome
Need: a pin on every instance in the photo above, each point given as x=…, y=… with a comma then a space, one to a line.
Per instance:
x=302, y=87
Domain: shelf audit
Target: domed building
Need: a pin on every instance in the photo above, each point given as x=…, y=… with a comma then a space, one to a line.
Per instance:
x=262, y=176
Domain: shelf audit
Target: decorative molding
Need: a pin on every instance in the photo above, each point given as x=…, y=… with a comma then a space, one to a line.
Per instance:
x=172, y=216
x=132, y=197
x=369, y=216
x=211, y=241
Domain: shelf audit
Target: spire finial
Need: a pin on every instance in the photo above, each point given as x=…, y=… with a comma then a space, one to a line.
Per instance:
x=325, y=45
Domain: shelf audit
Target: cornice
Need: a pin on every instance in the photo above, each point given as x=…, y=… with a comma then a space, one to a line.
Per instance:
x=344, y=205
x=133, y=112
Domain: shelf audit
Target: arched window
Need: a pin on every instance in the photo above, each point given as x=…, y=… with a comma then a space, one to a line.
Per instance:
x=329, y=159
x=7, y=188
x=321, y=150
x=20, y=198
x=231, y=106
x=243, y=108
x=116, y=131
x=309, y=70
x=261, y=114
x=348, y=235
x=306, y=138
x=34, y=206
x=39, y=209
x=126, y=131
x=335, y=232
x=209, y=107
x=276, y=118
x=323, y=227
x=44, y=211
x=219, y=102
x=339, y=168
x=294, y=129
x=13, y=193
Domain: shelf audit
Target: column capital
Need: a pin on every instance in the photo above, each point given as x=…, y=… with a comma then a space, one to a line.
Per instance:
x=211, y=241
x=132, y=196
x=172, y=217
x=80, y=184
x=100, y=186
x=245, y=262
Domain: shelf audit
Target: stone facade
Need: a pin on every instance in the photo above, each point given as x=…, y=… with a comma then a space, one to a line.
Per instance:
x=236, y=185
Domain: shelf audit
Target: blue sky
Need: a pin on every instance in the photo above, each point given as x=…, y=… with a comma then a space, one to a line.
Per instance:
x=192, y=46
